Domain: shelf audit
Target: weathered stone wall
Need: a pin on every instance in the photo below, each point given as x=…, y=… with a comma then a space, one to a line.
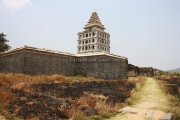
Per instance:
x=35, y=62
x=45, y=63
x=32, y=61
x=147, y=71
x=102, y=66
x=12, y=63
x=0, y=61
x=134, y=71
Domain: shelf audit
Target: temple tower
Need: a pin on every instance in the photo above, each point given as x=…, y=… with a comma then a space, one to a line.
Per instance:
x=93, y=38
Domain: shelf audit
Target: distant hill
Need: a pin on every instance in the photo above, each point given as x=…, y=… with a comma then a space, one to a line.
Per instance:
x=174, y=70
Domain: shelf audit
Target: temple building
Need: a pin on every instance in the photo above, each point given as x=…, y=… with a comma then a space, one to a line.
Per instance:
x=93, y=39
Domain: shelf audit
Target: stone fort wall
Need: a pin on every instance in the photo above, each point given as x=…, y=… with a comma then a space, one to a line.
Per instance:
x=12, y=62
x=134, y=71
x=37, y=62
x=102, y=66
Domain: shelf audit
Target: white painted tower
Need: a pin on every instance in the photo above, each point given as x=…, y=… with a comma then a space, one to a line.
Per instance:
x=93, y=39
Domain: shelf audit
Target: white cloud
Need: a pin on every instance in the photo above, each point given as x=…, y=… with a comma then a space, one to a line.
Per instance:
x=16, y=4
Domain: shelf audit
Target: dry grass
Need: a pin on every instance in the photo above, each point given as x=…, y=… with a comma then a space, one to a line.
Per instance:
x=79, y=78
x=93, y=103
x=139, y=83
x=18, y=81
x=135, y=80
x=6, y=97
x=79, y=115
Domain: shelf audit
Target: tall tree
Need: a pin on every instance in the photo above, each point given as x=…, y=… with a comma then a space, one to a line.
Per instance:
x=3, y=43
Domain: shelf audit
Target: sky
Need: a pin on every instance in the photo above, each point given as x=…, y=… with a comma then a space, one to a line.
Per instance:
x=147, y=32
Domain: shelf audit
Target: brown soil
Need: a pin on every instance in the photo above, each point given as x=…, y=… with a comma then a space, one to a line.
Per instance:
x=2, y=118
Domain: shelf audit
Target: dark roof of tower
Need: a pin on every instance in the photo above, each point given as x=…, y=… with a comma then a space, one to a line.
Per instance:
x=94, y=21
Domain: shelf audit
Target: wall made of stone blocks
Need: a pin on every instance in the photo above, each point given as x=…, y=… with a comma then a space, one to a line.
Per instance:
x=13, y=63
x=40, y=63
x=134, y=71
x=0, y=63
x=43, y=63
x=36, y=63
x=105, y=67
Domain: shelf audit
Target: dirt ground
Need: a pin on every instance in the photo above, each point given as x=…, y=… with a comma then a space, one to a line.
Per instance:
x=2, y=118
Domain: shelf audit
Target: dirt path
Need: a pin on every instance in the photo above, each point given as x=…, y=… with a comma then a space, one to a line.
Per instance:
x=2, y=118
x=151, y=104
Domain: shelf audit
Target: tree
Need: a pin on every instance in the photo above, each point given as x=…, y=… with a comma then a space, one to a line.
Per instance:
x=3, y=43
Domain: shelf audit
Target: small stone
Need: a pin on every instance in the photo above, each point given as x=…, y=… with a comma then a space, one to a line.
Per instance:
x=128, y=110
x=124, y=110
x=167, y=116
x=30, y=103
x=149, y=114
x=133, y=111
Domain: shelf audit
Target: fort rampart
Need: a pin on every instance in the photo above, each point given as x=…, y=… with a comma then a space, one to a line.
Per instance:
x=28, y=60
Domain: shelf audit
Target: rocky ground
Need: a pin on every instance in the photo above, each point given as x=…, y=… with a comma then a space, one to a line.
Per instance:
x=2, y=117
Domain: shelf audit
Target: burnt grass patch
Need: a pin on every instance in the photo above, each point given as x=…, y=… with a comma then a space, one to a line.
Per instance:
x=55, y=101
x=171, y=83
